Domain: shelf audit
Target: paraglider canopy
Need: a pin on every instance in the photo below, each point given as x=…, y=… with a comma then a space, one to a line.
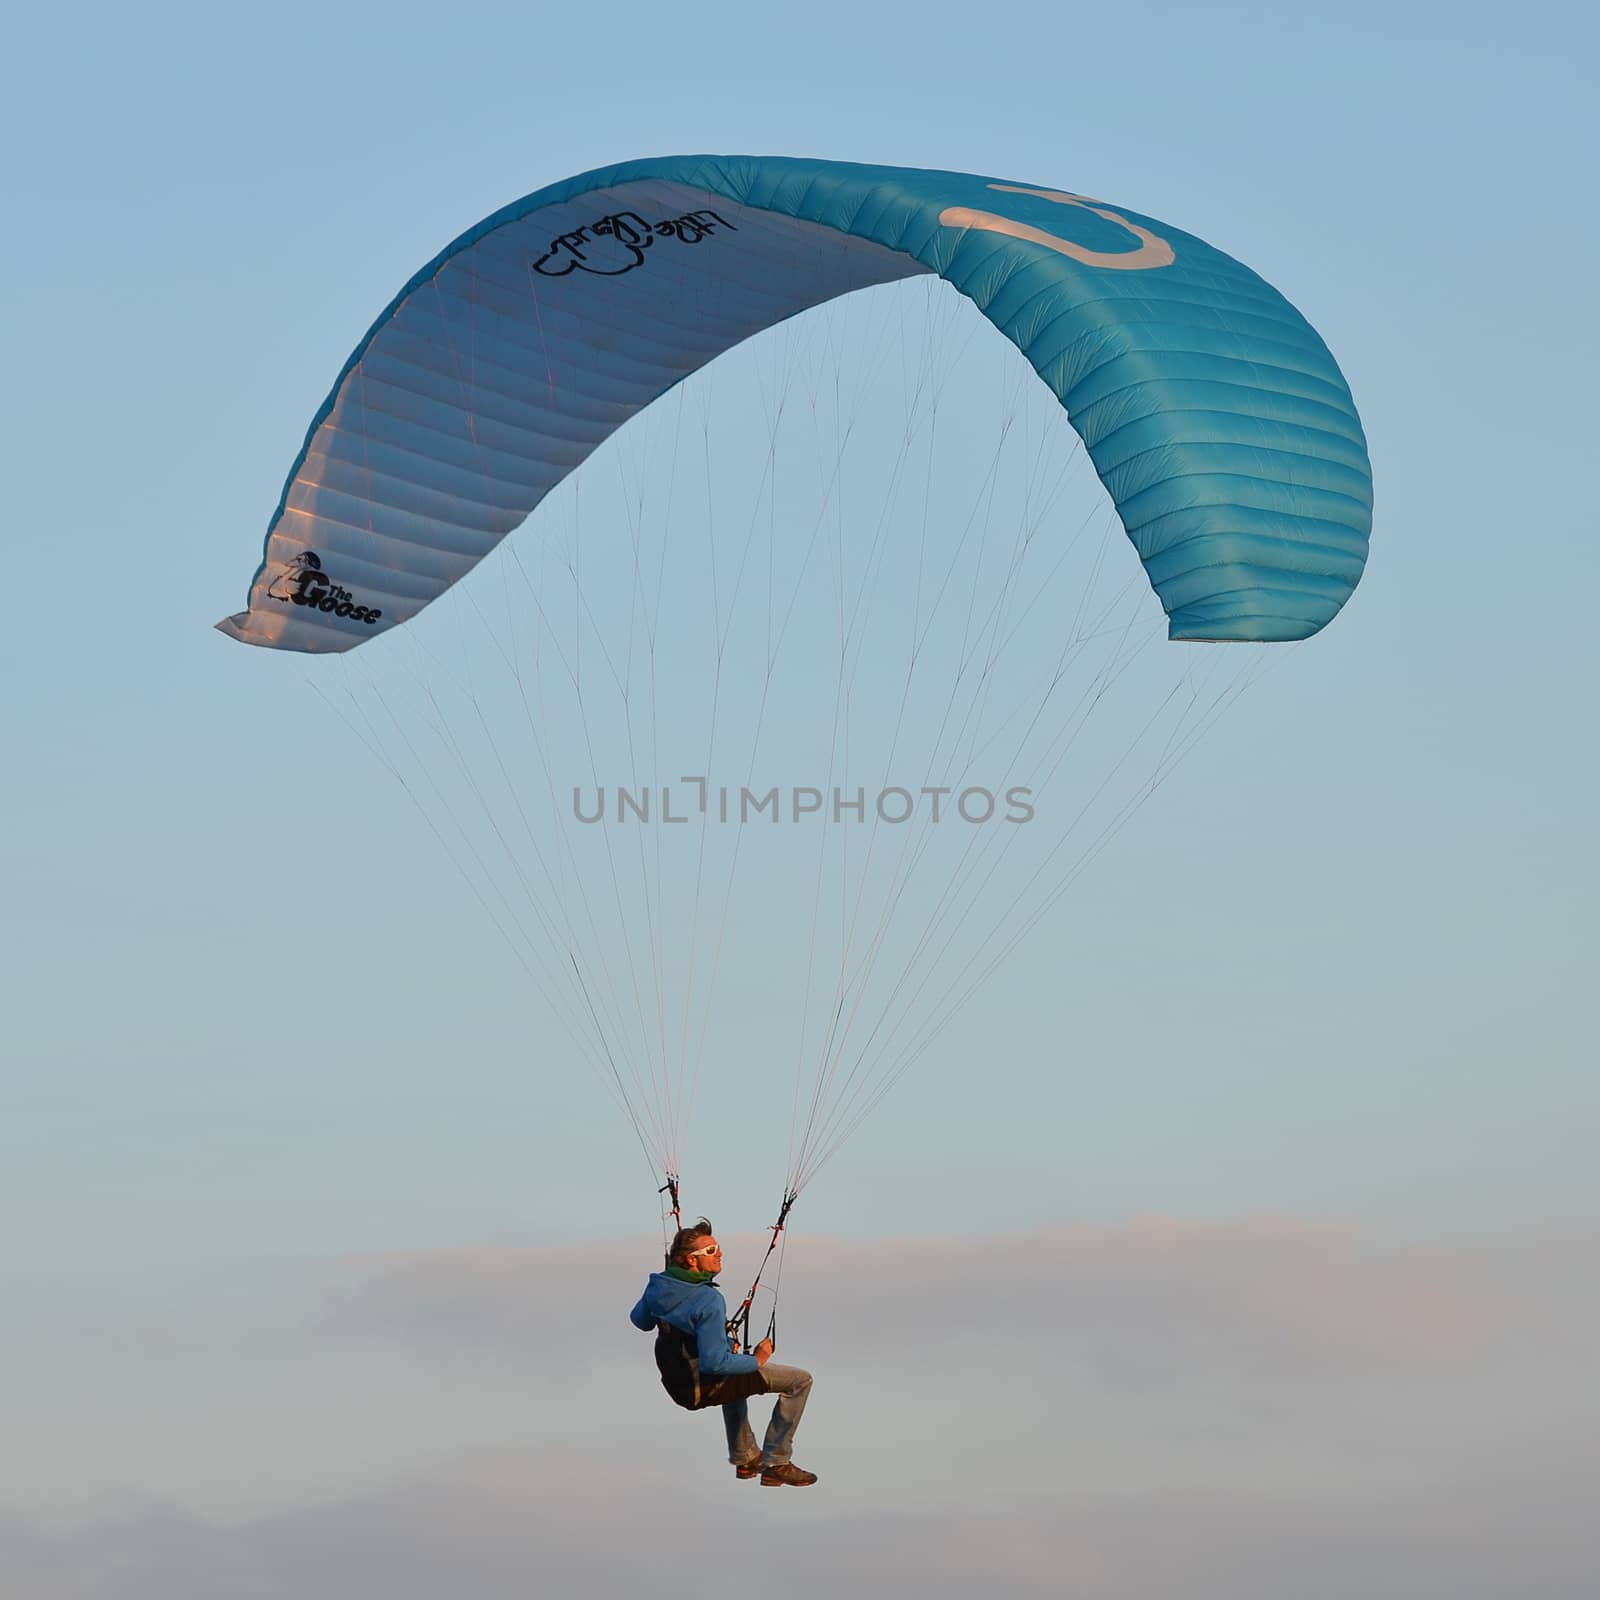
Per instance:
x=1213, y=413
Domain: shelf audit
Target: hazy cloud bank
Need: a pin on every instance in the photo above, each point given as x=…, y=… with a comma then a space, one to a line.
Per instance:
x=1158, y=1409
x=1149, y=1302
x=513, y=1527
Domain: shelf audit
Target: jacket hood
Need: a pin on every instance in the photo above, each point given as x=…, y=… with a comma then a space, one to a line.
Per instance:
x=663, y=1295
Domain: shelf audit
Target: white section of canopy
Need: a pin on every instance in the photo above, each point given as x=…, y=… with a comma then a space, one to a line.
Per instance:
x=485, y=388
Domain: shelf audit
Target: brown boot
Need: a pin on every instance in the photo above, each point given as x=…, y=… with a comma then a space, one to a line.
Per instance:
x=788, y=1473
x=747, y=1469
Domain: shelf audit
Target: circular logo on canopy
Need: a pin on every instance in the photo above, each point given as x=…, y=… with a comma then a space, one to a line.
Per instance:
x=1153, y=251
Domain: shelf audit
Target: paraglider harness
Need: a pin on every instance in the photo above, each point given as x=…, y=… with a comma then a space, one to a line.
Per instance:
x=676, y=1359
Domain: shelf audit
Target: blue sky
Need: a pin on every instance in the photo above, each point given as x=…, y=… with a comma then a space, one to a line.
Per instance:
x=1338, y=973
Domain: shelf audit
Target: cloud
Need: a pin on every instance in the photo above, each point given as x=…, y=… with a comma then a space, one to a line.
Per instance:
x=1147, y=1304
x=514, y=1526
x=1269, y=1357
x=1152, y=1410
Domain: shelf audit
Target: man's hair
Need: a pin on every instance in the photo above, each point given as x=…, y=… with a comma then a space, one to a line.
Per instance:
x=684, y=1240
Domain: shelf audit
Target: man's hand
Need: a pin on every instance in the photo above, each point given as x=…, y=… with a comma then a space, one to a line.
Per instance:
x=763, y=1352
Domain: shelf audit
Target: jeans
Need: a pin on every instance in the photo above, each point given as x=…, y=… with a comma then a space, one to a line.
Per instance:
x=791, y=1385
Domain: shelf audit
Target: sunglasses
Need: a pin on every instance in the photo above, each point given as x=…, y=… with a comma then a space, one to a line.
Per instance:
x=706, y=1250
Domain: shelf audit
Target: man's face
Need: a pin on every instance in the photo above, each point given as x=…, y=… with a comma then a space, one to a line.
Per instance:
x=705, y=1257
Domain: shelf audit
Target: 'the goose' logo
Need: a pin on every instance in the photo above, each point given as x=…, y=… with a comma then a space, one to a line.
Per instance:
x=304, y=583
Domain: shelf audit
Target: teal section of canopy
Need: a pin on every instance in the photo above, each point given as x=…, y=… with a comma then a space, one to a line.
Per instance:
x=1214, y=414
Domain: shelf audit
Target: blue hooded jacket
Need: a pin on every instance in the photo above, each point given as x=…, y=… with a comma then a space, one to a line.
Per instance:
x=694, y=1354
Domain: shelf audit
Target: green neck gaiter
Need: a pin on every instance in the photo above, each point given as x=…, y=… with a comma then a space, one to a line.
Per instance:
x=689, y=1275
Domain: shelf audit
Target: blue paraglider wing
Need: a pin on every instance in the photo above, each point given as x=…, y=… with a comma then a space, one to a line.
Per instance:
x=1214, y=414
